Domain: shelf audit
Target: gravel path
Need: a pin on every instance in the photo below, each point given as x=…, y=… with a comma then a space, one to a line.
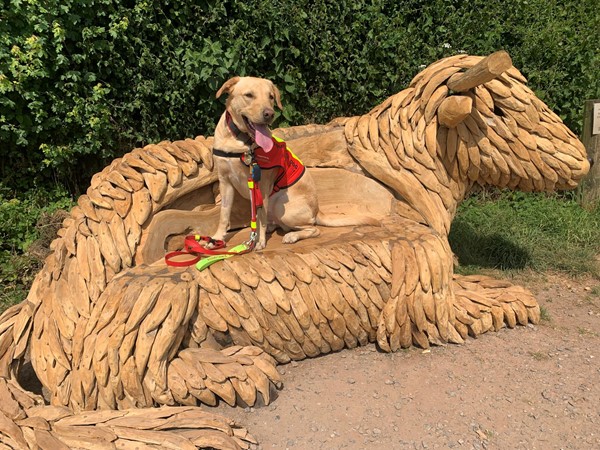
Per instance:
x=534, y=387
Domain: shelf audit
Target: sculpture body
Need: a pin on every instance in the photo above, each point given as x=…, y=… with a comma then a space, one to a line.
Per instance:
x=110, y=327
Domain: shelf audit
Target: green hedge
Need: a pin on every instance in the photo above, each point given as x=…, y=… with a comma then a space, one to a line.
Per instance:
x=82, y=81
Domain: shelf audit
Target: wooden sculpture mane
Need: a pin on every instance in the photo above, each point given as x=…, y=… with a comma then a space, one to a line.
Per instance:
x=109, y=328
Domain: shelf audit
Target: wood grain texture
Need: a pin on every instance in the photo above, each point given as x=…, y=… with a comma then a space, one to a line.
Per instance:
x=108, y=328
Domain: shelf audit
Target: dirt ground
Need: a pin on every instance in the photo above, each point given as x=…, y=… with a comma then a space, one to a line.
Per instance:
x=534, y=387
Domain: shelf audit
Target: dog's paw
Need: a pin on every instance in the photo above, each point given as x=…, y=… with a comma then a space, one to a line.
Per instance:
x=290, y=238
x=260, y=245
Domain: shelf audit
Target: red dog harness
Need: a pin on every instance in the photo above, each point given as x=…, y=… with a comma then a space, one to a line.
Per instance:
x=289, y=168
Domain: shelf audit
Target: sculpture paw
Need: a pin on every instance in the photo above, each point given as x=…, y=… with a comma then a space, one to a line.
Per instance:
x=394, y=328
x=482, y=303
x=239, y=375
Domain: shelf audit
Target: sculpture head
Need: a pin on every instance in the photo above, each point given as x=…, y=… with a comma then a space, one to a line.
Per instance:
x=465, y=120
x=500, y=133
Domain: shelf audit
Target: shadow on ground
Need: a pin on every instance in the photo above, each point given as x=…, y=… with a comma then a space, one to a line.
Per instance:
x=485, y=250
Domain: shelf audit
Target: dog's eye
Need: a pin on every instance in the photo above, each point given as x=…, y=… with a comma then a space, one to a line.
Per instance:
x=249, y=95
x=272, y=97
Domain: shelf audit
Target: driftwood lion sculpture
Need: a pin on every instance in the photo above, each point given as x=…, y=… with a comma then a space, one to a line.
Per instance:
x=109, y=328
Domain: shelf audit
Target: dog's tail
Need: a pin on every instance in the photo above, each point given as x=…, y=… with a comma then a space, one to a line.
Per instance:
x=342, y=220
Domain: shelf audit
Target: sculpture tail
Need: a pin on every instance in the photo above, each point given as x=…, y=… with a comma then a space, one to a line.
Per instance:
x=342, y=220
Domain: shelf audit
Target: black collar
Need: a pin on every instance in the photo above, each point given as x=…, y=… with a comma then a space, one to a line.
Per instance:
x=224, y=154
x=239, y=134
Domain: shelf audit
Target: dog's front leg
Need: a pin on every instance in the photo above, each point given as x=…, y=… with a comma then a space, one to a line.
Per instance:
x=227, y=195
x=261, y=218
x=262, y=214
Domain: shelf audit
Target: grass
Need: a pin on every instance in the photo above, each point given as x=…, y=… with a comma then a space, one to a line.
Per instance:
x=586, y=332
x=539, y=356
x=545, y=314
x=515, y=231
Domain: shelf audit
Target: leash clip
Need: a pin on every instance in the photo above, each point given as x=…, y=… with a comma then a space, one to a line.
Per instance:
x=248, y=158
x=251, y=242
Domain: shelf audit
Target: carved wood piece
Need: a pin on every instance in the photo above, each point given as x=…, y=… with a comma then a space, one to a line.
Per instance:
x=454, y=109
x=486, y=70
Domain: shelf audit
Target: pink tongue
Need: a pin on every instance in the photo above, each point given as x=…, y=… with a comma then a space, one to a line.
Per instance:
x=263, y=137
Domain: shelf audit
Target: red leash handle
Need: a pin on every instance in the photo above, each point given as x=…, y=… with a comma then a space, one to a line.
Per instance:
x=169, y=259
x=192, y=247
x=191, y=244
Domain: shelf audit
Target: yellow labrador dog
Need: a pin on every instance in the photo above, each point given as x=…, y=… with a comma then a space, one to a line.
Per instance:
x=289, y=193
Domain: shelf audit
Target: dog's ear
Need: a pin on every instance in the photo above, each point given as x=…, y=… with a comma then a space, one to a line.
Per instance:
x=227, y=86
x=277, y=96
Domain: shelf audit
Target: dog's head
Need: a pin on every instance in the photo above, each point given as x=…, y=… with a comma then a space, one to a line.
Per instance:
x=251, y=101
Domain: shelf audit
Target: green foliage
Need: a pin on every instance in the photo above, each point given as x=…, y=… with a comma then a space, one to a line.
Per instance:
x=27, y=225
x=16, y=275
x=19, y=216
x=550, y=41
x=82, y=81
x=515, y=230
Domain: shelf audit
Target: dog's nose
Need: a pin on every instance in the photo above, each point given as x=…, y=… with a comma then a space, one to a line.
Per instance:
x=591, y=161
x=268, y=114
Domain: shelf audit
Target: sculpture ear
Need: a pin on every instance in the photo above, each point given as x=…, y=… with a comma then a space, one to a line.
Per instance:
x=277, y=96
x=227, y=86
